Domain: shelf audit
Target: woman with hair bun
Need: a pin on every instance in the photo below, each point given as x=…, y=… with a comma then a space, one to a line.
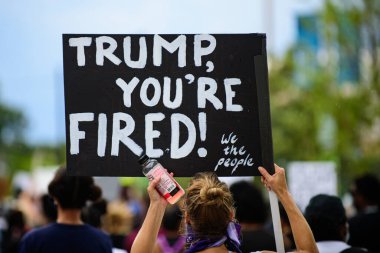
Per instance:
x=68, y=233
x=209, y=216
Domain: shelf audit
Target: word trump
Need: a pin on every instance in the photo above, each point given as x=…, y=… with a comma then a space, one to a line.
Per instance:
x=106, y=47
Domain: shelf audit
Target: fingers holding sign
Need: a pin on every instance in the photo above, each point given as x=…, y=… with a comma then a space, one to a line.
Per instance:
x=275, y=182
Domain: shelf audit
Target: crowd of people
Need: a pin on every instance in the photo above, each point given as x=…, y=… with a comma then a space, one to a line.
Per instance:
x=212, y=217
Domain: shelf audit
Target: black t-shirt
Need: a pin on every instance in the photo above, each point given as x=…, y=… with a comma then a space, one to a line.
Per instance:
x=355, y=250
x=364, y=231
x=62, y=238
x=256, y=240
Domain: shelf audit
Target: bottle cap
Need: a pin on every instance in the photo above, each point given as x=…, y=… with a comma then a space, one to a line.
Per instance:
x=143, y=158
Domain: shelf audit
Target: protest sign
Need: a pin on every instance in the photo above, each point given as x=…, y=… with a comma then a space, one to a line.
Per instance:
x=307, y=179
x=195, y=102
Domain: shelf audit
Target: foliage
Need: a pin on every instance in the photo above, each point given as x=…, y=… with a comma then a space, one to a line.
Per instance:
x=316, y=116
x=12, y=151
x=12, y=122
x=15, y=153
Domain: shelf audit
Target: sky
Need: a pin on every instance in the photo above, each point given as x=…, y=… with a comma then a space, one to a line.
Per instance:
x=31, y=72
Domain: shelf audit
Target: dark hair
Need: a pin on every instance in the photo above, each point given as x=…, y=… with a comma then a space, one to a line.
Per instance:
x=93, y=213
x=249, y=202
x=48, y=208
x=172, y=218
x=15, y=219
x=368, y=186
x=12, y=235
x=72, y=192
x=326, y=215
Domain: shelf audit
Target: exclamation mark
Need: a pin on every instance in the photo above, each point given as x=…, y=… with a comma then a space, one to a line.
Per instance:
x=202, y=152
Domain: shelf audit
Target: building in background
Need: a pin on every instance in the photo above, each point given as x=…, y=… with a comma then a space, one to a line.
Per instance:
x=310, y=43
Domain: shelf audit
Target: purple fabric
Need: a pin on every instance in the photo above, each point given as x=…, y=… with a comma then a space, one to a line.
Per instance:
x=177, y=247
x=230, y=239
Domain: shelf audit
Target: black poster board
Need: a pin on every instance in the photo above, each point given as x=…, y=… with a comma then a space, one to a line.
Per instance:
x=194, y=102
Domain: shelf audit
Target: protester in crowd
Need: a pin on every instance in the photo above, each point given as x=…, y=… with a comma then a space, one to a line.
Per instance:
x=68, y=234
x=28, y=203
x=48, y=209
x=169, y=239
x=133, y=204
x=251, y=212
x=364, y=226
x=130, y=237
x=93, y=213
x=327, y=219
x=97, y=215
x=209, y=215
x=16, y=228
x=118, y=222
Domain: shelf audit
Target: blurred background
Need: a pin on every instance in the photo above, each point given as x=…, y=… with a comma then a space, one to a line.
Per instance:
x=324, y=70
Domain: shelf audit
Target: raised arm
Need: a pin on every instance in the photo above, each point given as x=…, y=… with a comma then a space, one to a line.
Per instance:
x=302, y=234
x=146, y=237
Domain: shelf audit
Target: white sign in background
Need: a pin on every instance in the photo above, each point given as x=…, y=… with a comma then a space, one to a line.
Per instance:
x=307, y=179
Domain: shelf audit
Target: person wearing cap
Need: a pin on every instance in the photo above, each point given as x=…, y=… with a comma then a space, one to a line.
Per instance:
x=364, y=226
x=252, y=216
x=327, y=219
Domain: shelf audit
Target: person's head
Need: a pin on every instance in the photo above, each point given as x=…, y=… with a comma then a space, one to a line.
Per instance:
x=327, y=218
x=366, y=191
x=15, y=220
x=72, y=192
x=249, y=203
x=172, y=218
x=49, y=210
x=125, y=192
x=208, y=205
x=92, y=214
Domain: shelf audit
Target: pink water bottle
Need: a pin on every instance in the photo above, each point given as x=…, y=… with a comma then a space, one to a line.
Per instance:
x=168, y=186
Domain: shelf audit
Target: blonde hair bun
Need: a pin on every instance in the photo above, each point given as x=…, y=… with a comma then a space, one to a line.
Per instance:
x=208, y=204
x=212, y=195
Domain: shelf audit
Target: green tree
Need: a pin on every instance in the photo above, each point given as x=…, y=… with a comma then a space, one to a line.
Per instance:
x=14, y=154
x=12, y=124
x=316, y=116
